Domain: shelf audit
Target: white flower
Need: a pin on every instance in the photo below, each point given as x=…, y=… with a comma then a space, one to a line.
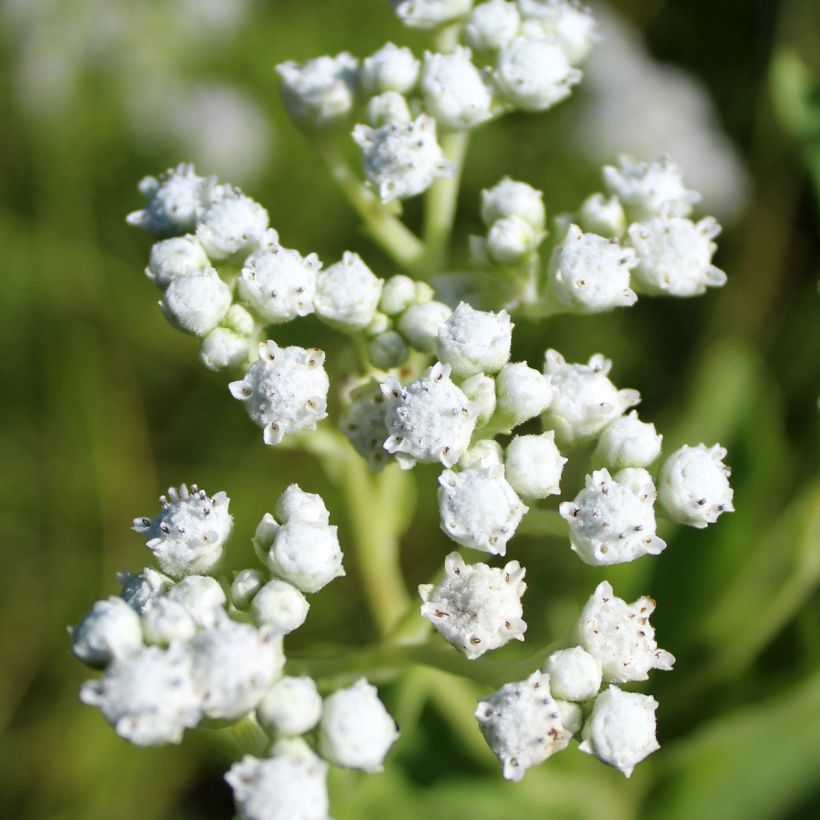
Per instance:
x=402, y=160
x=455, y=92
x=584, y=400
x=574, y=674
x=483, y=454
x=174, y=201
x=510, y=198
x=480, y=390
x=426, y=14
x=178, y=256
x=398, y=293
x=429, y=420
x=246, y=583
x=522, y=724
x=290, y=785
x=188, y=534
x=628, y=442
x=522, y=393
x=356, y=731
x=479, y=509
x=612, y=519
x=533, y=465
x=492, y=25
x=621, y=729
x=534, y=74
x=391, y=68
x=347, y=293
x=196, y=303
x=139, y=590
x=223, y=348
x=602, y=215
x=419, y=324
x=110, y=630
x=280, y=607
x=675, y=256
x=364, y=423
x=200, y=595
x=388, y=350
x=387, y=107
x=569, y=23
x=647, y=189
x=693, y=485
x=590, y=274
x=285, y=390
x=476, y=607
x=474, y=341
x=619, y=636
x=511, y=240
x=292, y=706
x=571, y=714
x=306, y=554
x=167, y=621
x=322, y=91
x=149, y=697
x=233, y=666
x=296, y=505
x=279, y=283
x=232, y=225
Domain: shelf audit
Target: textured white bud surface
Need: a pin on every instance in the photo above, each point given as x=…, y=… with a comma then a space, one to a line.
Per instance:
x=388, y=350
x=492, y=25
x=149, y=697
x=590, y=274
x=240, y=321
x=285, y=390
x=612, y=520
x=223, y=348
x=575, y=675
x=234, y=665
x=110, y=630
x=174, y=201
x=246, y=583
x=511, y=240
x=602, y=215
x=646, y=189
x=419, y=324
x=474, y=341
x=483, y=454
x=429, y=420
x=178, y=256
x=364, y=423
x=398, y=293
x=386, y=108
x=584, y=400
x=675, y=256
x=565, y=21
x=356, y=731
x=479, y=508
x=510, y=198
x=621, y=729
x=628, y=442
x=533, y=465
x=290, y=785
x=522, y=724
x=280, y=607
x=320, y=91
x=306, y=554
x=619, y=636
x=522, y=393
x=187, y=536
x=455, y=91
x=232, y=225
x=480, y=390
x=139, y=590
x=693, y=485
x=296, y=505
x=200, y=595
x=572, y=717
x=534, y=73
x=391, y=68
x=402, y=160
x=476, y=607
x=427, y=14
x=167, y=621
x=292, y=706
x=279, y=283
x=347, y=293
x=197, y=302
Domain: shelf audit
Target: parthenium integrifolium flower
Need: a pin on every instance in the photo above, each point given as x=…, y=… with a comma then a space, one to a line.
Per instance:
x=109, y=631
x=167, y=621
x=475, y=341
x=196, y=302
x=279, y=607
x=628, y=442
x=190, y=531
x=533, y=465
x=347, y=293
x=292, y=706
x=575, y=674
x=476, y=607
x=492, y=25
x=428, y=14
x=200, y=595
x=510, y=198
x=602, y=215
x=364, y=423
x=391, y=68
x=232, y=225
x=177, y=256
x=419, y=324
x=386, y=108
x=285, y=390
x=564, y=21
x=480, y=390
x=522, y=393
x=139, y=590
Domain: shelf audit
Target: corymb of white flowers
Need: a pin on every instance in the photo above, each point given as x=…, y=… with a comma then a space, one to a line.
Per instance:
x=184, y=645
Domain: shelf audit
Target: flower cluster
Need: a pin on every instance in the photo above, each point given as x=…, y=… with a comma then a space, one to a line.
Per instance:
x=179, y=646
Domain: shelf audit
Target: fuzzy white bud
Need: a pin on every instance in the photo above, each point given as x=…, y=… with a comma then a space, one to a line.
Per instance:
x=321, y=91
x=571, y=714
x=347, y=293
x=292, y=706
x=279, y=607
x=391, y=68
x=628, y=442
x=474, y=341
x=428, y=14
x=200, y=595
x=480, y=390
x=511, y=198
x=364, y=423
x=167, y=621
x=492, y=25
x=296, y=505
x=306, y=554
x=196, y=303
x=222, y=348
x=419, y=324
x=483, y=454
x=522, y=393
x=246, y=584
x=511, y=240
x=178, y=256
x=398, y=293
x=575, y=675
x=139, y=590
x=564, y=21
x=232, y=225
x=386, y=108
x=388, y=350
x=602, y=215
x=533, y=465
x=110, y=630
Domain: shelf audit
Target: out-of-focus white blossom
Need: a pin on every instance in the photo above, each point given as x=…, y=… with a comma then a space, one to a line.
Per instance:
x=475, y=341
x=398, y=293
x=391, y=68
x=388, y=350
x=167, y=621
x=321, y=91
x=419, y=324
x=139, y=590
x=533, y=465
x=109, y=631
x=602, y=215
x=197, y=302
x=628, y=442
x=246, y=584
x=200, y=595
x=511, y=240
x=564, y=21
x=511, y=198
x=386, y=108
x=571, y=714
x=492, y=25
x=427, y=14
x=292, y=706
x=364, y=423
x=347, y=293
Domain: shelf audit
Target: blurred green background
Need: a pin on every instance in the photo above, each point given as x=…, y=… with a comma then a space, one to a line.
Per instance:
x=103, y=405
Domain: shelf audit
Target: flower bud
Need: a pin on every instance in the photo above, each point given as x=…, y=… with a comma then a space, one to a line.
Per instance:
x=571, y=715
x=492, y=25
x=347, y=293
x=398, y=293
x=564, y=21
x=279, y=607
x=306, y=554
x=386, y=108
x=296, y=505
x=628, y=442
x=483, y=454
x=510, y=241
x=196, y=303
x=167, y=621
x=222, y=348
x=246, y=584
x=139, y=590
x=603, y=216
x=388, y=350
x=419, y=324
x=474, y=341
x=391, y=68
x=510, y=198
x=110, y=630
x=522, y=393
x=240, y=321
x=321, y=91
x=365, y=425
x=232, y=225
x=178, y=256
x=200, y=595
x=533, y=465
x=480, y=390
x=292, y=706
x=428, y=14
x=574, y=674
